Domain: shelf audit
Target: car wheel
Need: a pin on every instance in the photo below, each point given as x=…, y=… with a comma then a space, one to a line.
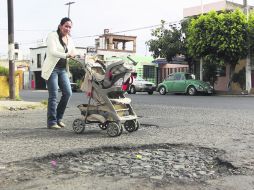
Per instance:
x=192, y=91
x=162, y=90
x=132, y=90
x=150, y=92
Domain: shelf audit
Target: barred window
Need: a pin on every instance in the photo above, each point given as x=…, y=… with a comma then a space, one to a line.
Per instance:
x=148, y=71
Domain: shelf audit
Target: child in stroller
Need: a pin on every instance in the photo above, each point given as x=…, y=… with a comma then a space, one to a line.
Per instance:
x=110, y=109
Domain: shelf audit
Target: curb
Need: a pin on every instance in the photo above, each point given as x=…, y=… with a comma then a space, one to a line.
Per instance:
x=19, y=105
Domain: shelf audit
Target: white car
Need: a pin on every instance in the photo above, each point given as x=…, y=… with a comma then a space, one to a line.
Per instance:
x=141, y=85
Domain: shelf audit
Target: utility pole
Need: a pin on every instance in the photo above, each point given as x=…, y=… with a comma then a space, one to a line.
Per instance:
x=69, y=7
x=201, y=59
x=11, y=49
x=248, y=64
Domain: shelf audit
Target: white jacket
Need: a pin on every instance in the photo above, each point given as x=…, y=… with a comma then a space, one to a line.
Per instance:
x=54, y=52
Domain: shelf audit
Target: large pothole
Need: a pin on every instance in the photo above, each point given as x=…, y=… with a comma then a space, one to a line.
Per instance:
x=165, y=162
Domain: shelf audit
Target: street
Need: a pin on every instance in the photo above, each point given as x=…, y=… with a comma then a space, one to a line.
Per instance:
x=218, y=102
x=184, y=142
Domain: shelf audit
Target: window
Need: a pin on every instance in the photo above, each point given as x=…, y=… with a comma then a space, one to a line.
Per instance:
x=38, y=60
x=148, y=71
x=189, y=76
x=221, y=71
x=170, y=77
x=16, y=56
x=177, y=76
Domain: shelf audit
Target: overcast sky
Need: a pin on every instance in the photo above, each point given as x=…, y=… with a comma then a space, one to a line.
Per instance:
x=34, y=19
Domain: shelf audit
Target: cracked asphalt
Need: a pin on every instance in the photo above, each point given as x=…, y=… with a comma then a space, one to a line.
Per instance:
x=218, y=141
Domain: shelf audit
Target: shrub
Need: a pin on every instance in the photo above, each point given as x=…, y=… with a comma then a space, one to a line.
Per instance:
x=4, y=71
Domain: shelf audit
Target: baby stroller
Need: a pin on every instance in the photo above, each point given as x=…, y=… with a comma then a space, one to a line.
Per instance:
x=110, y=109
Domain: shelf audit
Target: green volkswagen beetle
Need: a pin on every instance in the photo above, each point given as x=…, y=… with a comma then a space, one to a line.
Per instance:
x=181, y=82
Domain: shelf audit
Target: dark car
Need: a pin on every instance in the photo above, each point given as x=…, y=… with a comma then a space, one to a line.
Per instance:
x=181, y=82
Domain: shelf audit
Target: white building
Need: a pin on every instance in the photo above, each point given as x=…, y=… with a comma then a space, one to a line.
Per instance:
x=37, y=56
x=215, y=6
x=112, y=45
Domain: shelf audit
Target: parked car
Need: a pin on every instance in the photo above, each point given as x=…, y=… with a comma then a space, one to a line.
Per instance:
x=181, y=82
x=141, y=85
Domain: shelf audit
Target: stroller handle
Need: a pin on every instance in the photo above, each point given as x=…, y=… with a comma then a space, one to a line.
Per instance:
x=133, y=62
x=84, y=65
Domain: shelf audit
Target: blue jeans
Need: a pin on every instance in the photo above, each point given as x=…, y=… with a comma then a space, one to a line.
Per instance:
x=59, y=77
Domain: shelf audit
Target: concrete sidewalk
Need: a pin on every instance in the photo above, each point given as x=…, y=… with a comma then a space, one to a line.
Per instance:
x=19, y=105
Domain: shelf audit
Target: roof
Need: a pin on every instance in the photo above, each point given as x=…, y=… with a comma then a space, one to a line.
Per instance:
x=175, y=60
x=137, y=58
x=217, y=6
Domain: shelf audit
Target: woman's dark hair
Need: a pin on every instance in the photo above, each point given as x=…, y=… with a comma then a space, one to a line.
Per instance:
x=63, y=21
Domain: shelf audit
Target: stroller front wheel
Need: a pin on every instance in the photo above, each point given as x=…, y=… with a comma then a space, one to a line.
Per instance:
x=78, y=125
x=130, y=125
x=121, y=130
x=113, y=129
x=103, y=126
x=137, y=125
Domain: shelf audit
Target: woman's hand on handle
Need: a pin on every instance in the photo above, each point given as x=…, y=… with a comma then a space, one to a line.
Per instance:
x=71, y=55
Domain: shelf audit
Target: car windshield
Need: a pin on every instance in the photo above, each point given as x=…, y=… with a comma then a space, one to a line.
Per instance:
x=189, y=76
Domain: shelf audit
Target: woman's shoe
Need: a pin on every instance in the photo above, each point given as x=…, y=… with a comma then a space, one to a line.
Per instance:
x=61, y=124
x=55, y=126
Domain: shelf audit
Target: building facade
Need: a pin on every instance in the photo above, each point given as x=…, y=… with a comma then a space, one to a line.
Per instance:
x=37, y=56
x=223, y=81
x=112, y=45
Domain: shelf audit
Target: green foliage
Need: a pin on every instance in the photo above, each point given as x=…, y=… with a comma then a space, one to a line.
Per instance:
x=251, y=31
x=219, y=37
x=240, y=78
x=18, y=98
x=79, y=83
x=210, y=72
x=44, y=102
x=167, y=43
x=77, y=70
x=4, y=71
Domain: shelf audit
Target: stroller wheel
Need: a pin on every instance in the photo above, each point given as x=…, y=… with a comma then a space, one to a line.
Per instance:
x=103, y=126
x=78, y=126
x=113, y=129
x=121, y=129
x=130, y=125
x=137, y=125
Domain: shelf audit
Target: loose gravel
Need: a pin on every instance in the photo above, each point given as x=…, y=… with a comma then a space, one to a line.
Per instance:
x=163, y=162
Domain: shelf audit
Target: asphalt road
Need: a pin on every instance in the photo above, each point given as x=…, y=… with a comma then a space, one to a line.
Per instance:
x=198, y=127
x=219, y=102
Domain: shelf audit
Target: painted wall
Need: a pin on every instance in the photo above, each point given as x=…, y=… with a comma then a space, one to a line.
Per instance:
x=4, y=87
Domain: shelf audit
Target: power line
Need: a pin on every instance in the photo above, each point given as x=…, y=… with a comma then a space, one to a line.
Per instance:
x=95, y=35
x=26, y=30
x=130, y=30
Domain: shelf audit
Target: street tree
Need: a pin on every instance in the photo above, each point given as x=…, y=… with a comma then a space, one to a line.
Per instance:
x=76, y=70
x=251, y=31
x=170, y=41
x=167, y=42
x=219, y=37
